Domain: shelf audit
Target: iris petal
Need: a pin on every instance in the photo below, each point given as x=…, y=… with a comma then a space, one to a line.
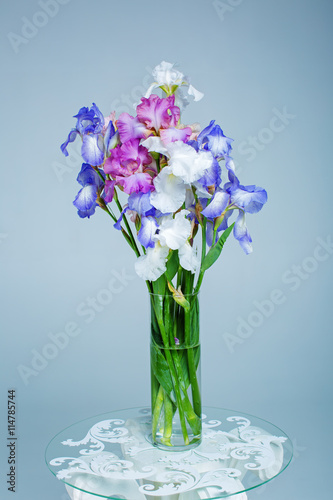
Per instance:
x=173, y=134
x=250, y=198
x=152, y=265
x=147, y=232
x=88, y=175
x=188, y=258
x=213, y=139
x=109, y=191
x=71, y=138
x=138, y=182
x=212, y=176
x=218, y=204
x=174, y=232
x=158, y=113
x=85, y=201
x=130, y=128
x=140, y=203
x=242, y=234
x=186, y=163
x=117, y=225
x=92, y=150
x=109, y=134
x=170, y=191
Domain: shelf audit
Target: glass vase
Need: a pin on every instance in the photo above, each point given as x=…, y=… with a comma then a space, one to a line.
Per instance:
x=175, y=372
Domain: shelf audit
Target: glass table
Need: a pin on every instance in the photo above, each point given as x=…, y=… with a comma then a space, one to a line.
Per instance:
x=111, y=456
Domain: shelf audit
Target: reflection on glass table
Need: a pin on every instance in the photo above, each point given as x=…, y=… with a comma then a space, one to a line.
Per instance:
x=111, y=456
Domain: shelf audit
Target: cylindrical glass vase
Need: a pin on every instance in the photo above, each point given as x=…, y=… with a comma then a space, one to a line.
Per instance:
x=175, y=372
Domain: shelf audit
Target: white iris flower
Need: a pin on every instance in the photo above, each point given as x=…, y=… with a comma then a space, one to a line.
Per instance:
x=170, y=80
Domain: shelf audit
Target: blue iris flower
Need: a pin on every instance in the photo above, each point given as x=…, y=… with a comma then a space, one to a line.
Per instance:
x=89, y=120
x=212, y=175
x=89, y=125
x=92, y=184
x=147, y=232
x=213, y=139
x=251, y=199
x=234, y=196
x=140, y=203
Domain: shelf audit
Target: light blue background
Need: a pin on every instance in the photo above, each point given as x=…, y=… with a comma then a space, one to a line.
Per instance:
x=255, y=57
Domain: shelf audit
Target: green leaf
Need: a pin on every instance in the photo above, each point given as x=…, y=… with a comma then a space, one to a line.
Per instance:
x=216, y=250
x=184, y=367
x=160, y=369
x=159, y=285
x=172, y=265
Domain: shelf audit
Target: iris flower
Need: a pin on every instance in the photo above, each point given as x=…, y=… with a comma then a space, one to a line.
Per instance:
x=185, y=166
x=129, y=165
x=172, y=233
x=169, y=79
x=95, y=136
x=92, y=184
x=234, y=196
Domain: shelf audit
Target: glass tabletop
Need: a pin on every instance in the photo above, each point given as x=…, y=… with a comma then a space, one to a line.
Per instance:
x=111, y=456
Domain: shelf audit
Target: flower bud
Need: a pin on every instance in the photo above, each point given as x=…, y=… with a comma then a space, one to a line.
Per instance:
x=178, y=296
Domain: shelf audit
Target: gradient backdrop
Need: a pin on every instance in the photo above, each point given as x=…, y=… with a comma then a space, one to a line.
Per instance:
x=266, y=70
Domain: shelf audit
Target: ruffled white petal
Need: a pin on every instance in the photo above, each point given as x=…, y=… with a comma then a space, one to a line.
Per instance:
x=174, y=232
x=166, y=74
x=188, y=258
x=169, y=194
x=186, y=162
x=155, y=144
x=195, y=93
x=152, y=265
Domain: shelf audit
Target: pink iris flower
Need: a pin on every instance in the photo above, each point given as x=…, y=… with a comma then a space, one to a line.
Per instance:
x=157, y=113
x=129, y=164
x=130, y=127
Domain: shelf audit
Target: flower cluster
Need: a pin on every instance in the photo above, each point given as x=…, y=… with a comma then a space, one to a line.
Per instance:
x=177, y=178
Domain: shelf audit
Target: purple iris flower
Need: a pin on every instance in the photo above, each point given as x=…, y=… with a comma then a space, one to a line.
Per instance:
x=92, y=184
x=89, y=125
x=213, y=139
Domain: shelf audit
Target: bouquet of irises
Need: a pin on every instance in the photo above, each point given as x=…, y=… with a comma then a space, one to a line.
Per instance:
x=179, y=182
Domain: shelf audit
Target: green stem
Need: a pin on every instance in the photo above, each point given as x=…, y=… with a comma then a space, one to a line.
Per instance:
x=191, y=414
x=109, y=211
x=203, y=255
x=196, y=398
x=157, y=411
x=173, y=373
x=128, y=227
x=168, y=416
